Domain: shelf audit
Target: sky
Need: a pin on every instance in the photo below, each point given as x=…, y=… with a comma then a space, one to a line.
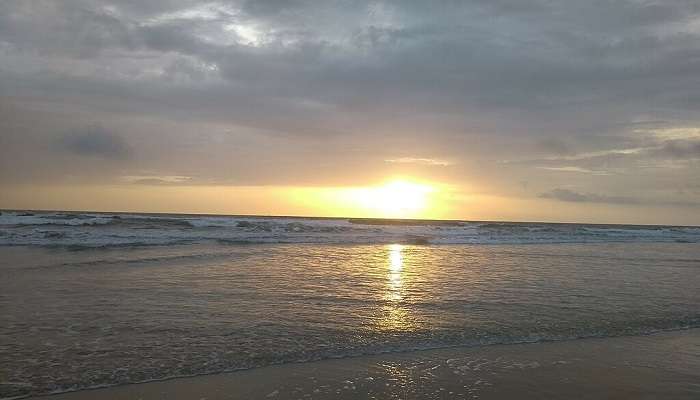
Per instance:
x=579, y=111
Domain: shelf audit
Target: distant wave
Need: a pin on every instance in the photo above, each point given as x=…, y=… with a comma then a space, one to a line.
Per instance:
x=404, y=222
x=97, y=230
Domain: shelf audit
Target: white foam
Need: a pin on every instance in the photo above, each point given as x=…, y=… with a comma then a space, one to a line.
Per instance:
x=98, y=230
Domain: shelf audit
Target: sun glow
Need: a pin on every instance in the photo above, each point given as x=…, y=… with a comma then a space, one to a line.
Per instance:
x=393, y=199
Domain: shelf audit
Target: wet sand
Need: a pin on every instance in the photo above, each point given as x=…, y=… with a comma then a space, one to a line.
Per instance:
x=664, y=365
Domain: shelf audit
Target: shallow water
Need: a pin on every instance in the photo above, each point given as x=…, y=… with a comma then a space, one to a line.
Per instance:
x=104, y=316
x=659, y=366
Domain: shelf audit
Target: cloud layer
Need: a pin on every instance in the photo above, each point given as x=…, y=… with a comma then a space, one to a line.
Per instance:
x=599, y=96
x=95, y=141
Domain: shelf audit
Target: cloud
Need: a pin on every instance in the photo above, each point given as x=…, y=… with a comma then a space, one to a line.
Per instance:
x=153, y=180
x=601, y=154
x=96, y=141
x=388, y=54
x=660, y=153
x=555, y=146
x=420, y=161
x=575, y=197
x=571, y=196
x=679, y=149
x=575, y=169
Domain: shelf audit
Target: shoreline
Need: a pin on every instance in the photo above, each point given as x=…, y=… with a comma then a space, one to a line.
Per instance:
x=554, y=369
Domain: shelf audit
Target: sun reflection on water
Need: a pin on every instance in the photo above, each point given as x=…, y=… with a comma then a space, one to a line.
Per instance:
x=395, y=314
x=395, y=270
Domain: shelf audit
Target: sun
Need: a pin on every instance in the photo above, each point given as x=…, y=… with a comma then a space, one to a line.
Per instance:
x=394, y=199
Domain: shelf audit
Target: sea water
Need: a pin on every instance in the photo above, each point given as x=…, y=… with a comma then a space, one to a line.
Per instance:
x=91, y=300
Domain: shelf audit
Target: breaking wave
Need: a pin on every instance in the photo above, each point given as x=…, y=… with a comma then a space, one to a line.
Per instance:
x=90, y=230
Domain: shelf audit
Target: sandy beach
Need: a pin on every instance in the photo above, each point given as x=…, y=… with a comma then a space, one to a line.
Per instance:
x=664, y=365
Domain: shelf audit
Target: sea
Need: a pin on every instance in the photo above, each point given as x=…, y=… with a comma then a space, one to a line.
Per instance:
x=102, y=299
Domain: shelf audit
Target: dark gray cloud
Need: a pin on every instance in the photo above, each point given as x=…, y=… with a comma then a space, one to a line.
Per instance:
x=679, y=149
x=391, y=56
x=576, y=197
x=96, y=141
x=555, y=146
x=572, y=196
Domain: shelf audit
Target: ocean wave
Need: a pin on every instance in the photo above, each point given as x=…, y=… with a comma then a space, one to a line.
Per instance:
x=95, y=230
x=99, y=222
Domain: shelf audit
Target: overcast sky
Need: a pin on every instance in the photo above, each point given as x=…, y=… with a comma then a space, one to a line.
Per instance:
x=554, y=110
